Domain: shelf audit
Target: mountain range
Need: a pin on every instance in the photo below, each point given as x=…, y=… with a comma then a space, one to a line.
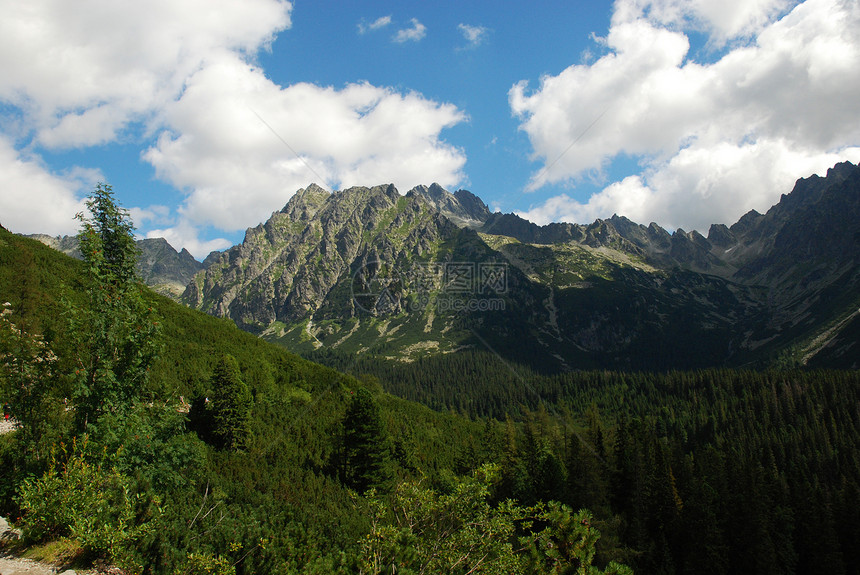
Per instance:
x=371, y=271
x=367, y=270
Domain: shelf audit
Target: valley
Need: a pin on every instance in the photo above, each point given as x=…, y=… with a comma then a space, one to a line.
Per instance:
x=374, y=379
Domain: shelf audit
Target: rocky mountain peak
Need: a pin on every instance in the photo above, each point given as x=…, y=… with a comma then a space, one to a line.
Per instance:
x=473, y=205
x=747, y=222
x=162, y=267
x=313, y=274
x=286, y=268
x=719, y=235
x=841, y=170
x=463, y=208
x=305, y=202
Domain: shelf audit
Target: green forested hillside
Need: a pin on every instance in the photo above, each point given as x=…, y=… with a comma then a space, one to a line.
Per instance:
x=280, y=483
x=713, y=471
x=148, y=480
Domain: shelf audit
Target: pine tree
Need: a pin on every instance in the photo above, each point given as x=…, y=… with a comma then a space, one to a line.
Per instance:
x=365, y=448
x=229, y=405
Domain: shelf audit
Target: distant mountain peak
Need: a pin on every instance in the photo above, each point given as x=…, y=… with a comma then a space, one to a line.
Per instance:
x=341, y=268
x=462, y=207
x=305, y=202
x=159, y=265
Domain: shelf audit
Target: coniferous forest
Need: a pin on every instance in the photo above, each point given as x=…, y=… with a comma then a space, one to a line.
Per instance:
x=162, y=440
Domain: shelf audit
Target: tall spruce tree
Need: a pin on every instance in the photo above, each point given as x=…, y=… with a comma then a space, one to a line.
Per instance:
x=118, y=330
x=229, y=405
x=365, y=447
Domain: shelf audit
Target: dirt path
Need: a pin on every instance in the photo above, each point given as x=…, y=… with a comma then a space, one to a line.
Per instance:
x=10, y=565
x=15, y=566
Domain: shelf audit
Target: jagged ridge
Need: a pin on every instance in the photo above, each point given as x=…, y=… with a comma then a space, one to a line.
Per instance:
x=600, y=294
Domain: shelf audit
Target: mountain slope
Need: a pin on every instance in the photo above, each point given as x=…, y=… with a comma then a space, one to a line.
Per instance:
x=280, y=496
x=462, y=207
x=369, y=270
x=163, y=269
x=286, y=268
x=806, y=251
x=799, y=260
x=788, y=438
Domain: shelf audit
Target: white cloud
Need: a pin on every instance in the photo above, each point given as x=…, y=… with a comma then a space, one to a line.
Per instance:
x=98, y=71
x=35, y=201
x=379, y=23
x=788, y=98
x=413, y=34
x=474, y=35
x=698, y=187
x=79, y=74
x=81, y=71
x=225, y=143
x=153, y=215
x=723, y=21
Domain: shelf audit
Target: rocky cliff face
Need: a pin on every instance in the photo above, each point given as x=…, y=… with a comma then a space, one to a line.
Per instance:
x=462, y=207
x=368, y=269
x=285, y=269
x=66, y=244
x=163, y=268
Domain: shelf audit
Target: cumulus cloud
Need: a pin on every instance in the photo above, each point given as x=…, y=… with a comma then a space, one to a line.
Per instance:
x=381, y=22
x=723, y=21
x=413, y=34
x=474, y=35
x=151, y=215
x=81, y=74
x=698, y=187
x=786, y=98
x=83, y=71
x=33, y=200
x=240, y=144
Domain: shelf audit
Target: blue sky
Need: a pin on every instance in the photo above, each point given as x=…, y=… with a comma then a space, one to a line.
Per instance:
x=207, y=115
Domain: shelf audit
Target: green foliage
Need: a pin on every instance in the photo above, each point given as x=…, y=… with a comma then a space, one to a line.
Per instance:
x=116, y=334
x=714, y=471
x=365, y=451
x=106, y=239
x=203, y=564
x=568, y=544
x=229, y=405
x=152, y=446
x=421, y=531
x=84, y=496
x=27, y=364
x=418, y=530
